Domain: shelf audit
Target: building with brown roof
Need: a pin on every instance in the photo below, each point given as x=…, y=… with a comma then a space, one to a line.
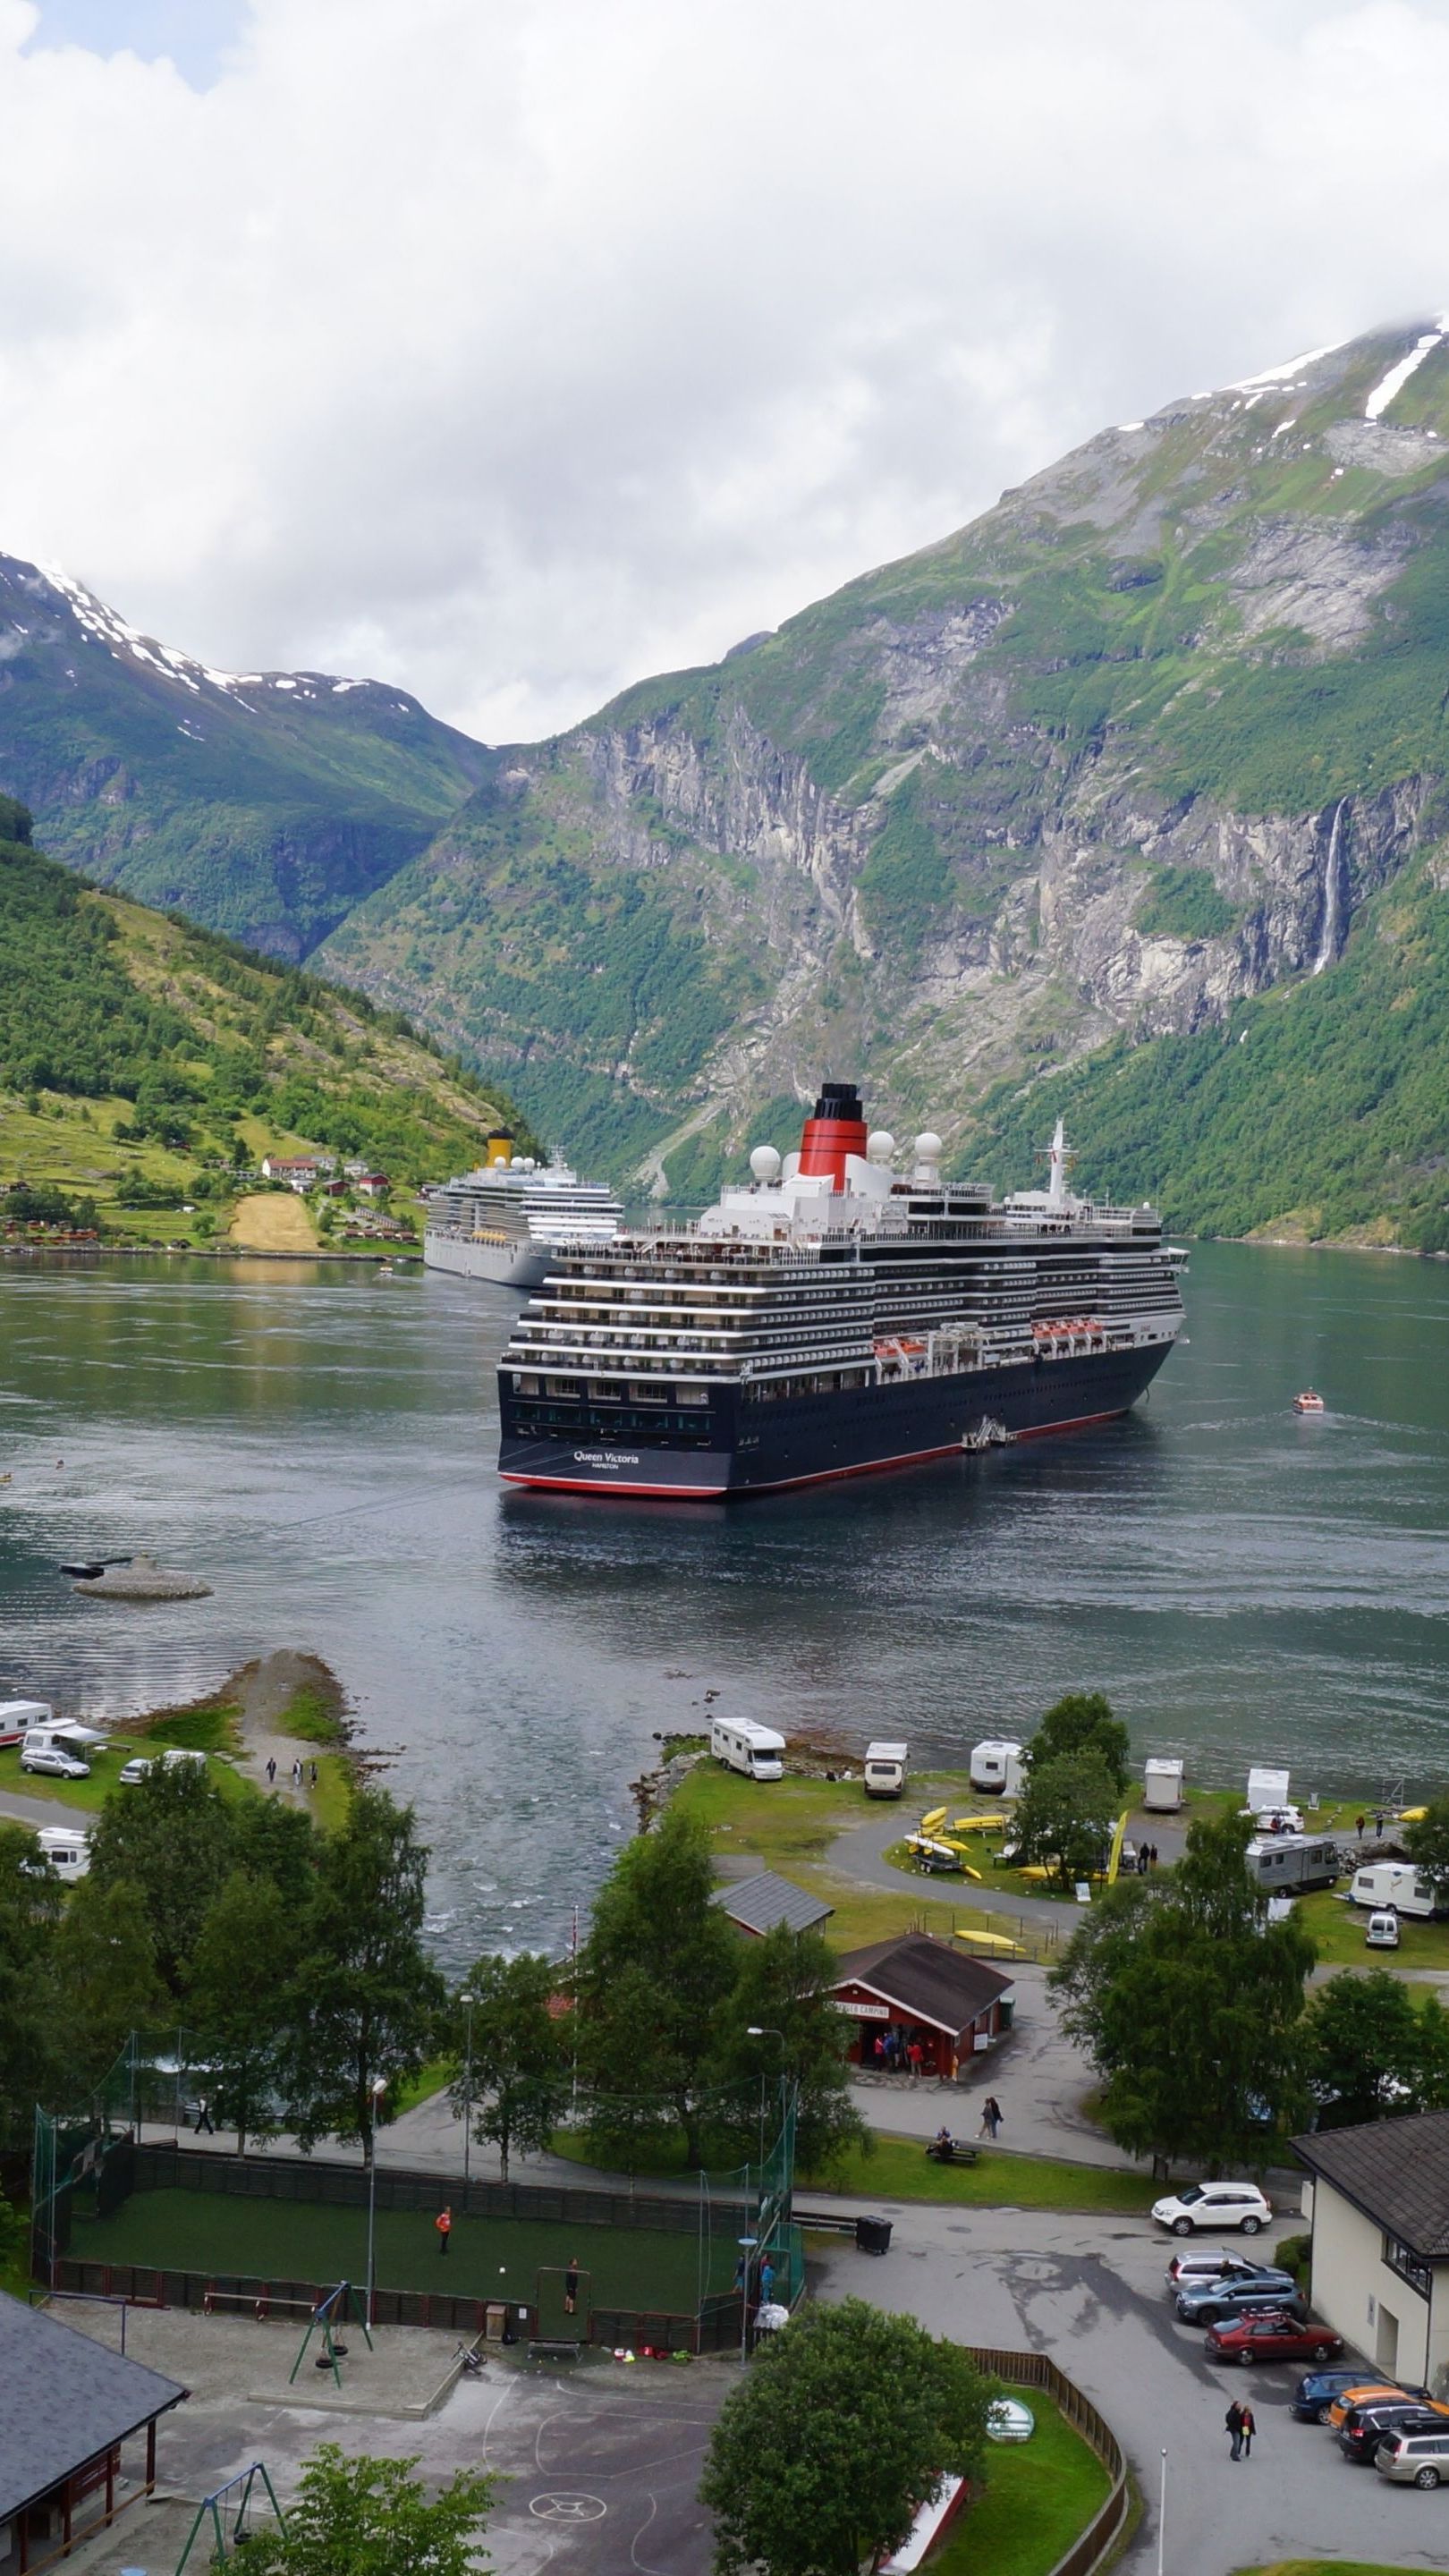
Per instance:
x=917, y=1991
x=1380, y=2212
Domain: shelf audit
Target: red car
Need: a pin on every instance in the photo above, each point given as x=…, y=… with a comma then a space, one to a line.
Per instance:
x=1270, y=2335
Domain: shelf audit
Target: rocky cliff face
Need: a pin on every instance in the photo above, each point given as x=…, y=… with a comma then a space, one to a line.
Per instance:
x=1136, y=747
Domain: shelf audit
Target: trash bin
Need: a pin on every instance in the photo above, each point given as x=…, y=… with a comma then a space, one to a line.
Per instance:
x=872, y=2236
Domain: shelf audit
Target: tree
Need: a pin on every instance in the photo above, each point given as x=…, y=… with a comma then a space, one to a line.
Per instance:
x=240, y=1974
x=30, y=1910
x=517, y=2080
x=366, y=1995
x=659, y=1961
x=1363, y=2048
x=1082, y=1723
x=821, y=2456
x=171, y=1836
x=105, y=1969
x=1427, y=1843
x=1066, y=1814
x=274, y=1841
x=781, y=1989
x=372, y=2517
x=1190, y=2004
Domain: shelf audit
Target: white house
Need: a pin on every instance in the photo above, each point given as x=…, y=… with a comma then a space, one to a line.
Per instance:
x=301, y=1172
x=1380, y=2212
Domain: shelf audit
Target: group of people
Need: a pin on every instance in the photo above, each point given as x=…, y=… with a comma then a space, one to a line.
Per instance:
x=1146, y=1858
x=1241, y=2426
x=904, y=2052
x=299, y=1772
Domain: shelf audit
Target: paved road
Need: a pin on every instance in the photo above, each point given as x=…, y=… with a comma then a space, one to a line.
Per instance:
x=42, y=1811
x=1090, y=2293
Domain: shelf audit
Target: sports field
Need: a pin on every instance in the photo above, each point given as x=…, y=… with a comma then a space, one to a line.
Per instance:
x=286, y=2240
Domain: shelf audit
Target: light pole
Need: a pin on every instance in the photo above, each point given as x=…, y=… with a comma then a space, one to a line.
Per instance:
x=1162, y=2512
x=763, y=2030
x=467, y=2001
x=379, y=2087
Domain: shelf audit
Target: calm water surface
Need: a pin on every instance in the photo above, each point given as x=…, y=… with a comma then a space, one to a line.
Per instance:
x=320, y=1445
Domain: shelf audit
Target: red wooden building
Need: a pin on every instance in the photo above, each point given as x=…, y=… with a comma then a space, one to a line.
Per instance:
x=920, y=1990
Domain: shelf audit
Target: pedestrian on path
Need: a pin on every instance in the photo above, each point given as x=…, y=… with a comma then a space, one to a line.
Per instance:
x=271, y=1770
x=1358, y=1827
x=444, y=2225
x=297, y=1772
x=1379, y=1827
x=203, y=2118
x=767, y=2281
x=571, y=2282
x=915, y=2055
x=1250, y=2427
x=992, y=2116
x=1233, y=2422
x=314, y=1775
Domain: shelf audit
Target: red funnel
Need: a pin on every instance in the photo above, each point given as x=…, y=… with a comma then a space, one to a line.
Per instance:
x=837, y=1129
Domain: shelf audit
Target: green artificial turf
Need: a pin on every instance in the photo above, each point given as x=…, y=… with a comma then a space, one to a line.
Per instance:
x=276, y=2240
x=1039, y=2495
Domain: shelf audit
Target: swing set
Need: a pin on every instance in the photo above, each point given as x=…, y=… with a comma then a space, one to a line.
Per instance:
x=226, y=2513
x=324, y=2320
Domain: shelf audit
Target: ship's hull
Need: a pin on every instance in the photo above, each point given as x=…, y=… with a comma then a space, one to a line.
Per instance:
x=523, y=1265
x=741, y=1447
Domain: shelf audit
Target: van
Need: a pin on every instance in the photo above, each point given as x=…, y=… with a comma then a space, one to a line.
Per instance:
x=885, y=1770
x=1383, y=1929
x=1162, y=1786
x=67, y=1852
x=132, y=1773
x=757, y=1751
x=18, y=1714
x=996, y=1765
x=1393, y=1882
x=1285, y=1864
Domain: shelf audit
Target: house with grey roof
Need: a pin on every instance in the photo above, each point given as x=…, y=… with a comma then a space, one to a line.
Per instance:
x=1380, y=2213
x=758, y=1904
x=71, y=2406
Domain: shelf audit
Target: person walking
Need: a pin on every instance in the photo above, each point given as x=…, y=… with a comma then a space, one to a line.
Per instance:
x=271, y=1770
x=1358, y=1826
x=571, y=2283
x=767, y=2282
x=1379, y=1827
x=203, y=2118
x=444, y=2225
x=1250, y=2427
x=314, y=1775
x=1233, y=2424
x=993, y=2114
x=915, y=2055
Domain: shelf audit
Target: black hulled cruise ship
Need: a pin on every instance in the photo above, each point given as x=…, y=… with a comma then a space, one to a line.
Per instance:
x=834, y=1315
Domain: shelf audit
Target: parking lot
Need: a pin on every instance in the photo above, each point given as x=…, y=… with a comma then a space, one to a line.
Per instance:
x=1092, y=2294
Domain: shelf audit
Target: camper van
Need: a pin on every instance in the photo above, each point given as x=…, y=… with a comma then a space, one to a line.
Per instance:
x=756, y=1750
x=1396, y=1883
x=18, y=1714
x=996, y=1765
x=885, y=1770
x=1287, y=1864
x=66, y=1850
x=1162, y=1789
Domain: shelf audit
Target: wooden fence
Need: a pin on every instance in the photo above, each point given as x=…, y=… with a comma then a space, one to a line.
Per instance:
x=1038, y=2370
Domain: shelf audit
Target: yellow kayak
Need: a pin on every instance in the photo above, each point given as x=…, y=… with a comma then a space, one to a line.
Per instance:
x=989, y=1941
x=979, y=1825
x=944, y=1843
x=936, y=1817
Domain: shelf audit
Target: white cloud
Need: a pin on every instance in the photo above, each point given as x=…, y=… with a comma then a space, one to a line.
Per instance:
x=513, y=348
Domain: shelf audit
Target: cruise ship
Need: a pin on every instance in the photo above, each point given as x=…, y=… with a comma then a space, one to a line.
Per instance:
x=835, y=1314
x=513, y=1218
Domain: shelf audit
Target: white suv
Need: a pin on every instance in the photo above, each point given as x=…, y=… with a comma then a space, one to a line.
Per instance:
x=1214, y=2204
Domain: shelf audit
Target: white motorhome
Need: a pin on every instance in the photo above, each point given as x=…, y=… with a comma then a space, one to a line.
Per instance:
x=1284, y=1864
x=1396, y=1883
x=757, y=1751
x=1267, y=1789
x=18, y=1714
x=66, y=1850
x=996, y=1765
x=885, y=1770
x=1162, y=1786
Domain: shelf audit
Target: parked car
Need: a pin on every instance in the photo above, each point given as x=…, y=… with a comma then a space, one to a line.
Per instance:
x=1214, y=2204
x=1383, y=1930
x=1364, y=2427
x=1414, y=2459
x=1216, y=2301
x=1368, y=2392
x=55, y=1762
x=132, y=1773
x=1315, y=2393
x=1272, y=2334
x=1203, y=2267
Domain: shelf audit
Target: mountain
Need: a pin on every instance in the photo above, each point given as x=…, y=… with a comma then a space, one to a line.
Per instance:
x=142, y=1060
x=1149, y=756
x=266, y=804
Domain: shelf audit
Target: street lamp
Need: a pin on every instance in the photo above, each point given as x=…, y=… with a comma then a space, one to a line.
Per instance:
x=468, y=2001
x=379, y=2087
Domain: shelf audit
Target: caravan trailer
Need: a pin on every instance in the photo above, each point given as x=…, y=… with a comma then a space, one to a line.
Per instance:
x=757, y=1751
x=66, y=1849
x=1396, y=1883
x=996, y=1765
x=1288, y=1864
x=885, y=1770
x=1162, y=1789
x=18, y=1714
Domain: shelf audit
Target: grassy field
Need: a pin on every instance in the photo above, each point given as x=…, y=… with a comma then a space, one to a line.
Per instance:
x=270, y=1222
x=900, y=2169
x=87, y=1797
x=275, y=2240
x=1038, y=2496
x=1339, y=1929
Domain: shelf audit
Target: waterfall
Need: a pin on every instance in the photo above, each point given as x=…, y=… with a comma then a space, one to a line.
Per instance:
x=1332, y=894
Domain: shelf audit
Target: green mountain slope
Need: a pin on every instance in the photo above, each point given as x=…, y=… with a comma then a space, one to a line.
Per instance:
x=1138, y=750
x=145, y=1062
x=265, y=805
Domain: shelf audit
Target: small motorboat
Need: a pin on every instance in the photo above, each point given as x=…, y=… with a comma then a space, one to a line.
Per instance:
x=1308, y=1402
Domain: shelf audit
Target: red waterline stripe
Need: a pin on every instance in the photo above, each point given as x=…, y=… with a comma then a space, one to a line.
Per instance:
x=787, y=1484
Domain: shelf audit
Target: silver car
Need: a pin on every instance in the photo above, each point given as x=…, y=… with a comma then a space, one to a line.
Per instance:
x=1414, y=2459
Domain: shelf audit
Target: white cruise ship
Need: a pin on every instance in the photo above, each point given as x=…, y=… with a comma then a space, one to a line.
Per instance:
x=511, y=1218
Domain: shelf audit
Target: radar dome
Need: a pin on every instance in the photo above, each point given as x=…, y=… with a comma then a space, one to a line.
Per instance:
x=929, y=1148
x=880, y=1145
x=765, y=1163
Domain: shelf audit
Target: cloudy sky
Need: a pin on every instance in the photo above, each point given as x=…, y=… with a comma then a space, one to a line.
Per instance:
x=513, y=349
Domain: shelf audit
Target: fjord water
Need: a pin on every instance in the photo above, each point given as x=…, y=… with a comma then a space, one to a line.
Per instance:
x=319, y=1443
